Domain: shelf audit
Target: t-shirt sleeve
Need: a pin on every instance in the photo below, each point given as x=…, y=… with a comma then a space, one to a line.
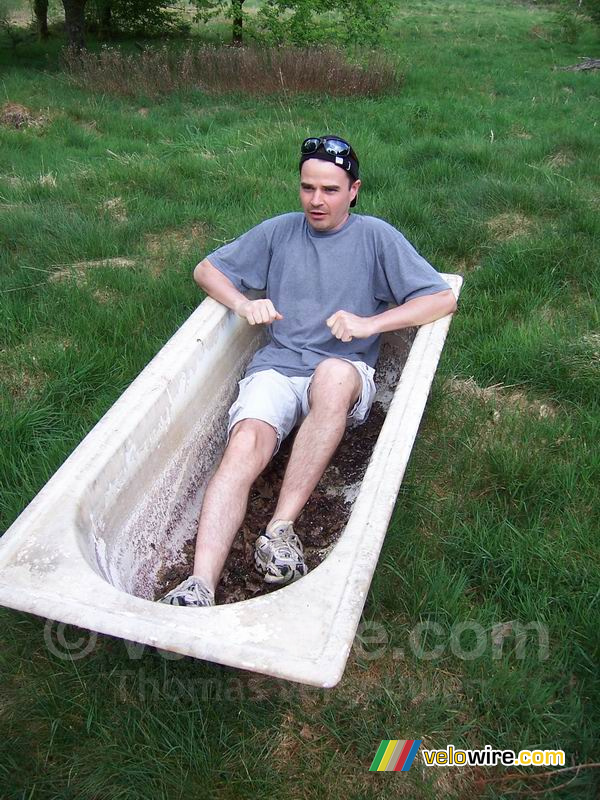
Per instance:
x=402, y=274
x=245, y=261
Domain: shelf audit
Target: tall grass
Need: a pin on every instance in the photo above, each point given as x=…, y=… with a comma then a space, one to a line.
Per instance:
x=255, y=71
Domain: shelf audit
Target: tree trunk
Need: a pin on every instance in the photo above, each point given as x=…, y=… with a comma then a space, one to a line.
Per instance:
x=105, y=30
x=238, y=21
x=75, y=23
x=40, y=9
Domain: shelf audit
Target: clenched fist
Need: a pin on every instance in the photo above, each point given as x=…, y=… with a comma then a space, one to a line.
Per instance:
x=258, y=312
x=347, y=326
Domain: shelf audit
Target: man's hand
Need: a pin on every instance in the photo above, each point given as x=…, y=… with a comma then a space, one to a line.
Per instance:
x=258, y=312
x=347, y=326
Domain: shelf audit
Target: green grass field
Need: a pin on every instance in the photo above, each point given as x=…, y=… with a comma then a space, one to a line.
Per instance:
x=487, y=159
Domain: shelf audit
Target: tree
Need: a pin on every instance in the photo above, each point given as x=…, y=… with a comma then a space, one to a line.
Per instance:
x=238, y=20
x=207, y=9
x=105, y=17
x=75, y=23
x=40, y=10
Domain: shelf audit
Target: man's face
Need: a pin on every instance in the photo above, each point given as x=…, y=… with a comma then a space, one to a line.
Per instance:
x=325, y=194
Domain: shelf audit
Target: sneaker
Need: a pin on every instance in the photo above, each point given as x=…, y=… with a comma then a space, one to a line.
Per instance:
x=278, y=553
x=192, y=592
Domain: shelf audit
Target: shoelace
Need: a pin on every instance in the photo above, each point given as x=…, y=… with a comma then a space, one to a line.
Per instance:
x=198, y=591
x=285, y=544
x=202, y=593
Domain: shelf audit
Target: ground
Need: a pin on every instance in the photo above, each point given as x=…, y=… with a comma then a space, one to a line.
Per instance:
x=485, y=156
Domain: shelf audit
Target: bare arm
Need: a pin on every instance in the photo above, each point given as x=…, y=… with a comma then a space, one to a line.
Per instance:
x=219, y=287
x=418, y=311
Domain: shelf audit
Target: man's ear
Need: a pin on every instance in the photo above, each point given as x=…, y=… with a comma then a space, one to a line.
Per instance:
x=354, y=189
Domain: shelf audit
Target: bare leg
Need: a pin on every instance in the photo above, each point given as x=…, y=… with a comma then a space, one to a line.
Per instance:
x=251, y=445
x=334, y=389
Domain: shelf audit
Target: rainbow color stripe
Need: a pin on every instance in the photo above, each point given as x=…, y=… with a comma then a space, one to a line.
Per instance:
x=395, y=755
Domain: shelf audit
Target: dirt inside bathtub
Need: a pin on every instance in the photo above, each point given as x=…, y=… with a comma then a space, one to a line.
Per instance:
x=319, y=526
x=324, y=517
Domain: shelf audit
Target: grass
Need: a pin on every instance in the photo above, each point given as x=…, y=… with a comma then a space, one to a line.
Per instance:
x=486, y=159
x=215, y=70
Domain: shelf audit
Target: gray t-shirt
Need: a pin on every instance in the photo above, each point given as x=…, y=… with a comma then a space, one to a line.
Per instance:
x=309, y=275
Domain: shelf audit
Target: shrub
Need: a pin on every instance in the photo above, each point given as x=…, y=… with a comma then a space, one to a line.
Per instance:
x=573, y=15
x=6, y=9
x=301, y=22
x=305, y=22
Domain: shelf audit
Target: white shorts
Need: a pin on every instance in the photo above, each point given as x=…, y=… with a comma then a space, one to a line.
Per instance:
x=283, y=402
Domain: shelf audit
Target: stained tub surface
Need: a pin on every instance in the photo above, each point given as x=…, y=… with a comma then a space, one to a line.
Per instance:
x=90, y=547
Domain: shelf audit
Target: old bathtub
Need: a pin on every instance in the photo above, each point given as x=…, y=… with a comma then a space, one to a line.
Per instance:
x=87, y=550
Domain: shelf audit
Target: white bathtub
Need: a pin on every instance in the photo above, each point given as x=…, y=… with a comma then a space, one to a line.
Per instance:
x=87, y=550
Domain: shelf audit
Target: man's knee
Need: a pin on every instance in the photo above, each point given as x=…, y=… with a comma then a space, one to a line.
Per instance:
x=253, y=437
x=336, y=385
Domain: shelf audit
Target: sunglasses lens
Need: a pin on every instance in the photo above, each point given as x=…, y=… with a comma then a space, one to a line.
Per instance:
x=337, y=147
x=310, y=145
x=331, y=145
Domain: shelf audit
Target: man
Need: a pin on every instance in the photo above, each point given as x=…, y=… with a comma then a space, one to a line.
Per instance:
x=329, y=277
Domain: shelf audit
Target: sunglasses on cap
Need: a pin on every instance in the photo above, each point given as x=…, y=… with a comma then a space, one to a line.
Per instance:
x=331, y=145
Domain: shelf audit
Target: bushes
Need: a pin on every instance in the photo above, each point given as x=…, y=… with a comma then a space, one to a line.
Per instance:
x=306, y=22
x=573, y=15
x=6, y=8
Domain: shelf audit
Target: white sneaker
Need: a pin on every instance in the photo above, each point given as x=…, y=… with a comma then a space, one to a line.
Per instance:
x=278, y=553
x=191, y=592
